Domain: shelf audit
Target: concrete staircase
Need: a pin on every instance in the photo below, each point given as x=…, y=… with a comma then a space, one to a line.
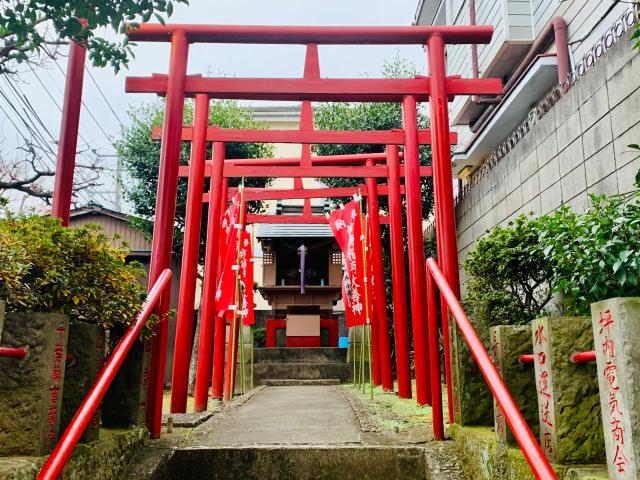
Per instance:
x=301, y=366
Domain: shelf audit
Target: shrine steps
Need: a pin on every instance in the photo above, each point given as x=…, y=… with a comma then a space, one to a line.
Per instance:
x=300, y=355
x=288, y=382
x=258, y=462
x=301, y=366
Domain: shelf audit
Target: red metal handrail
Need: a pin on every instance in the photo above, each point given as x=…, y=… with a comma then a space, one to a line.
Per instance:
x=10, y=352
x=59, y=457
x=526, y=358
x=583, y=357
x=532, y=452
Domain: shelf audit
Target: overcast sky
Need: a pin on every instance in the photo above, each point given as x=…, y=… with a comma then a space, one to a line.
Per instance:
x=100, y=120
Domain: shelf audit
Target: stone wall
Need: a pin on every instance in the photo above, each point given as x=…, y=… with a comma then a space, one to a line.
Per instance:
x=579, y=147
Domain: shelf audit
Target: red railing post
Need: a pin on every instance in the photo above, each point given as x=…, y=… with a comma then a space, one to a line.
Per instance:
x=583, y=357
x=537, y=461
x=11, y=352
x=398, y=280
x=220, y=324
x=68, y=141
x=434, y=360
x=416, y=249
x=381, y=322
x=526, y=358
x=190, y=254
x=69, y=439
x=207, y=307
x=164, y=221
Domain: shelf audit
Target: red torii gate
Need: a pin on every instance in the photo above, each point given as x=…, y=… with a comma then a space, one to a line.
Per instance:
x=370, y=190
x=272, y=167
x=437, y=88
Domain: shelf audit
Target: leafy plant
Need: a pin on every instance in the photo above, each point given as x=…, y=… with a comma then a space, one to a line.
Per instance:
x=595, y=255
x=140, y=155
x=45, y=267
x=510, y=278
x=371, y=116
x=259, y=337
x=29, y=28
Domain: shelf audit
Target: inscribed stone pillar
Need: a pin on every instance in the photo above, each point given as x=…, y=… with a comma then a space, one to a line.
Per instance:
x=568, y=399
x=31, y=388
x=616, y=330
x=86, y=349
x=507, y=343
x=472, y=399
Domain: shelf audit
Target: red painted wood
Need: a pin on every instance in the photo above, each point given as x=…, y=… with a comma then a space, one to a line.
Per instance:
x=377, y=137
x=297, y=219
x=324, y=35
x=416, y=252
x=380, y=332
x=305, y=172
x=69, y=125
x=316, y=90
x=251, y=193
x=272, y=326
x=165, y=212
x=398, y=276
x=303, y=342
x=189, y=267
x=207, y=305
x=275, y=324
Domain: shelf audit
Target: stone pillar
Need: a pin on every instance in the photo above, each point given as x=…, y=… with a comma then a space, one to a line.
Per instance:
x=568, y=399
x=125, y=403
x=472, y=399
x=86, y=349
x=616, y=330
x=31, y=388
x=507, y=343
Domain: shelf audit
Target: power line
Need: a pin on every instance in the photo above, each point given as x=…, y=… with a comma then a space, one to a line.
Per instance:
x=104, y=97
x=95, y=120
x=55, y=102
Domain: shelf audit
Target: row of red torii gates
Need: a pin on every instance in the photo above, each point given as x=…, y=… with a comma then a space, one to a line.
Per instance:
x=436, y=88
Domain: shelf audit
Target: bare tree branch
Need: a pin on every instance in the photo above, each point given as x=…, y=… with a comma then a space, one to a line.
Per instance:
x=28, y=175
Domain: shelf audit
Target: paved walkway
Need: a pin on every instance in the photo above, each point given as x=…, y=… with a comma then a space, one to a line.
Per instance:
x=286, y=415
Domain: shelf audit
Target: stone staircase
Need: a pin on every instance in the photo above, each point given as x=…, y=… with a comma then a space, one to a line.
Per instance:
x=301, y=366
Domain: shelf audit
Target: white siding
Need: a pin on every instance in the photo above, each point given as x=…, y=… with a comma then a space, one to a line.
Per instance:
x=542, y=11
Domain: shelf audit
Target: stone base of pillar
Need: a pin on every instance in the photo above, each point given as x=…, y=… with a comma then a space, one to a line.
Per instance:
x=507, y=343
x=568, y=398
x=31, y=388
x=616, y=330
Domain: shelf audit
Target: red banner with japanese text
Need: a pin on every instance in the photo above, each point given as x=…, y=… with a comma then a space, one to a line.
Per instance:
x=246, y=278
x=345, y=224
x=225, y=293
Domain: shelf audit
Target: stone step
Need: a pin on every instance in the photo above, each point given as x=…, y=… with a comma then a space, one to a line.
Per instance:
x=289, y=382
x=345, y=462
x=301, y=371
x=300, y=355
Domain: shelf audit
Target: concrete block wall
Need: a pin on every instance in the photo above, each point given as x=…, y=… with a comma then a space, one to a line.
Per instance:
x=579, y=147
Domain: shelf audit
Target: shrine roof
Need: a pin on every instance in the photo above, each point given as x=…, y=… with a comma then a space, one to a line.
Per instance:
x=288, y=230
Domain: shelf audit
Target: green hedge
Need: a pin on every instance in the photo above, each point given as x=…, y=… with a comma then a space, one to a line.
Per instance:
x=585, y=257
x=45, y=267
